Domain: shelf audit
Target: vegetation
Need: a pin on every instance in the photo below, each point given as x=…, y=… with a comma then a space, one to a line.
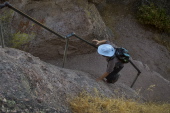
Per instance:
x=86, y=103
x=13, y=40
x=6, y=16
x=152, y=15
x=157, y=17
x=19, y=39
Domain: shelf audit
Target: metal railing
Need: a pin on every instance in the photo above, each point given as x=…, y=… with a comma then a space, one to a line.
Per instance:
x=6, y=4
x=139, y=72
x=2, y=36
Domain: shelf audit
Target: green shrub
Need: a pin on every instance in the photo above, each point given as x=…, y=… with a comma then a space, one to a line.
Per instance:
x=19, y=39
x=152, y=15
x=6, y=16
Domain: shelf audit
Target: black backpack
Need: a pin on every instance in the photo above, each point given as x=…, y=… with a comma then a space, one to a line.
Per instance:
x=122, y=54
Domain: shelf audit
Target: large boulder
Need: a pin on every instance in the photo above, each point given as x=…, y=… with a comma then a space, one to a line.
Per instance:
x=64, y=17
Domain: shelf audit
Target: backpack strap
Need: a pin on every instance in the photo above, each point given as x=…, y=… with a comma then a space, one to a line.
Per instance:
x=111, y=58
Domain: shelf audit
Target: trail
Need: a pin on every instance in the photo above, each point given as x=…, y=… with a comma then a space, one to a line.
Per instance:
x=150, y=57
x=95, y=65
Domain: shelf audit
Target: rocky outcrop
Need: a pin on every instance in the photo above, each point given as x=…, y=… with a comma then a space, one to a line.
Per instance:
x=64, y=17
x=25, y=78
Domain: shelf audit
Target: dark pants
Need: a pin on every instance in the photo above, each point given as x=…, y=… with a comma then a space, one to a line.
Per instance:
x=113, y=76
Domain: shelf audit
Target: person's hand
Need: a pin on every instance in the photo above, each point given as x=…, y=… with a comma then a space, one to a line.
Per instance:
x=96, y=41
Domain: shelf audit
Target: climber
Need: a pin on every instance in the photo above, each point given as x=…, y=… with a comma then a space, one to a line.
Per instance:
x=114, y=65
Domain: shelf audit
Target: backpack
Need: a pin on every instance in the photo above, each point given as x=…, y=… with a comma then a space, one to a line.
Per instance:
x=122, y=54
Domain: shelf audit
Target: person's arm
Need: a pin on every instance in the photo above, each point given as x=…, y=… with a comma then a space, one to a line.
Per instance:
x=99, y=42
x=103, y=76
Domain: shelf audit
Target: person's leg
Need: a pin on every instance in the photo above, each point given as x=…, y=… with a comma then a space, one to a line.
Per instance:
x=113, y=76
x=115, y=79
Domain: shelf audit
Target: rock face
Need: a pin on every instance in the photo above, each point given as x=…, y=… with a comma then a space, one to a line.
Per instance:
x=64, y=17
x=24, y=77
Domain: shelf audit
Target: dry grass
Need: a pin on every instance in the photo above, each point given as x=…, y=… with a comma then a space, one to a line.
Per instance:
x=86, y=103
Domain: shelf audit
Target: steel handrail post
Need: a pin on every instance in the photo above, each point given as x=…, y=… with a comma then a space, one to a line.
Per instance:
x=136, y=75
x=135, y=80
x=65, y=51
x=66, y=47
x=33, y=20
x=135, y=66
x=2, y=37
